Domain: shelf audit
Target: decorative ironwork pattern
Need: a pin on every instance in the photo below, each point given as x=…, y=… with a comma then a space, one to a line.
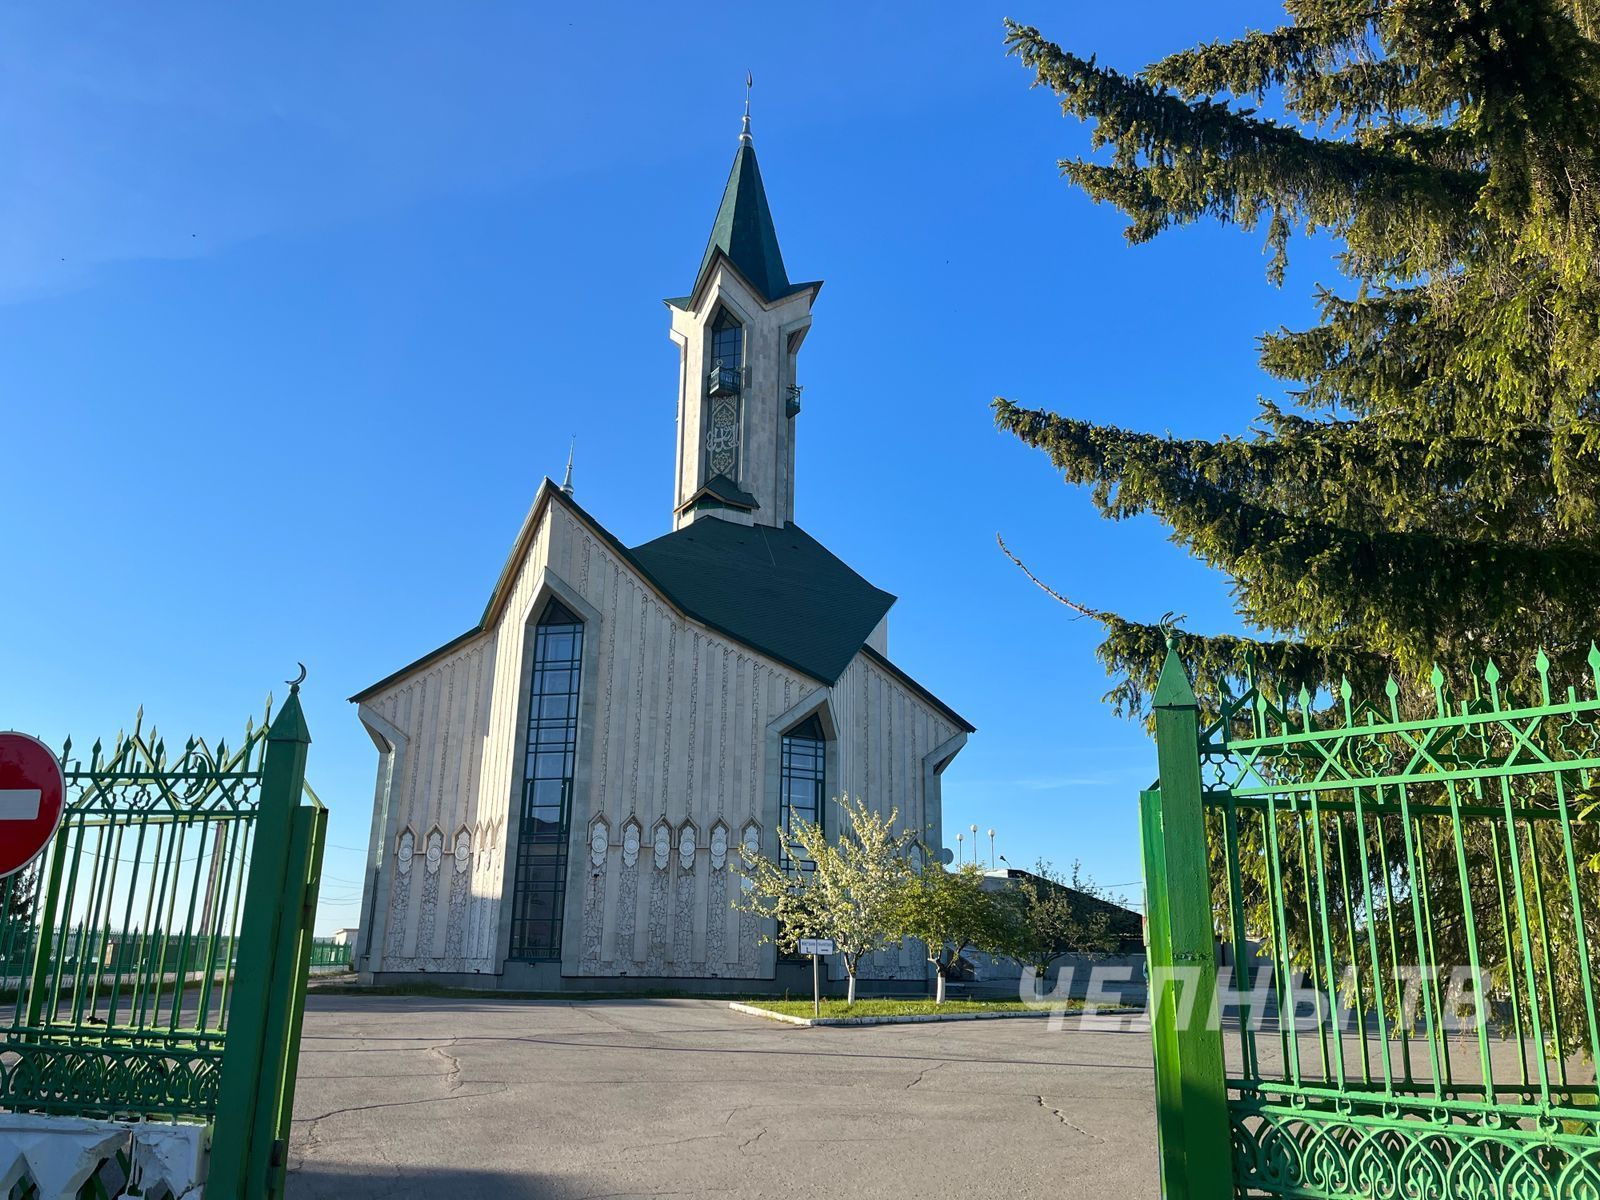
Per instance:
x=1410, y=892
x=1258, y=747
x=63, y=1076
x=119, y=942
x=1375, y=1153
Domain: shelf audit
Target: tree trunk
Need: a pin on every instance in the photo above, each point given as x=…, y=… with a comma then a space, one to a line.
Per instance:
x=938, y=997
x=850, y=993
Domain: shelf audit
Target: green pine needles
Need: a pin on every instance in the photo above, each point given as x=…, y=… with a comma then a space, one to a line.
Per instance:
x=1426, y=488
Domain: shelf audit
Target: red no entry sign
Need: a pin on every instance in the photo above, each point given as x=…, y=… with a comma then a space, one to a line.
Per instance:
x=32, y=796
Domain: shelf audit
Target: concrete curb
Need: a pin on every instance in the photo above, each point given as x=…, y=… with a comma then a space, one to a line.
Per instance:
x=923, y=1018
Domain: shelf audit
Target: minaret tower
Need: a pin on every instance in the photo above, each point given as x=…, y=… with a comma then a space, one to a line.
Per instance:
x=738, y=334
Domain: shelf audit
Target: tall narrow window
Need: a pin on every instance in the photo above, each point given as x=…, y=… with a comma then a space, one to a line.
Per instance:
x=804, y=776
x=724, y=383
x=727, y=344
x=552, y=745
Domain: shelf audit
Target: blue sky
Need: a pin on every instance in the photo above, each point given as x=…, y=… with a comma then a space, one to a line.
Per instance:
x=299, y=304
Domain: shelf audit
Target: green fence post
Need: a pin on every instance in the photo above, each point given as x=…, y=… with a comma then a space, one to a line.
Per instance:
x=1195, y=1138
x=310, y=836
x=239, y=1163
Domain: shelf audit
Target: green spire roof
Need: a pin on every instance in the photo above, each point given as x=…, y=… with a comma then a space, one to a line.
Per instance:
x=744, y=232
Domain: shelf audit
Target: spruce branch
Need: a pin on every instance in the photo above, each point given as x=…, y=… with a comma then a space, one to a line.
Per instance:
x=1081, y=610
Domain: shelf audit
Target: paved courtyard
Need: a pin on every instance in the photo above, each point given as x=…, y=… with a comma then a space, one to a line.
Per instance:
x=417, y=1096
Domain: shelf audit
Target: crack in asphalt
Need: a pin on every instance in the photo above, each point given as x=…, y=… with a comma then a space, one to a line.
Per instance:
x=355, y=1108
x=452, y=1076
x=1060, y=1116
x=452, y=1081
x=753, y=1140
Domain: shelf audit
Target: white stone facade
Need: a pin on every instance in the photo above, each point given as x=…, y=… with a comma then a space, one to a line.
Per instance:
x=772, y=337
x=687, y=688
x=678, y=738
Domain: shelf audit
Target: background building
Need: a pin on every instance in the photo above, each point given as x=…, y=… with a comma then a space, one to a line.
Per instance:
x=1121, y=964
x=562, y=790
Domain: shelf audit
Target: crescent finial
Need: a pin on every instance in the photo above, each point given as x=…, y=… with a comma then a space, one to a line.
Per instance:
x=295, y=683
x=1169, y=628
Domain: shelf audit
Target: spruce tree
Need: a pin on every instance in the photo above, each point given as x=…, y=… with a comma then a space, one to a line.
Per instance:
x=1425, y=489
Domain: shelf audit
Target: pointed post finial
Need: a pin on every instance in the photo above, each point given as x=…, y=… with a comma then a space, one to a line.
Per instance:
x=1173, y=689
x=749, y=82
x=566, y=484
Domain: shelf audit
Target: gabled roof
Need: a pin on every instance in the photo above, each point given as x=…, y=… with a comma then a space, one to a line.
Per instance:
x=725, y=491
x=779, y=591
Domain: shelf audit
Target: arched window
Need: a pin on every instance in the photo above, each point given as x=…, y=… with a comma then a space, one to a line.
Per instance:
x=551, y=755
x=804, y=775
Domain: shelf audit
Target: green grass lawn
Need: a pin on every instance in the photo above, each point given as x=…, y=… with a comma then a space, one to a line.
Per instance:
x=901, y=1008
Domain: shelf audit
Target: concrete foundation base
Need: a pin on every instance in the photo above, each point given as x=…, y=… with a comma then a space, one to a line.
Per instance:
x=793, y=979
x=62, y=1154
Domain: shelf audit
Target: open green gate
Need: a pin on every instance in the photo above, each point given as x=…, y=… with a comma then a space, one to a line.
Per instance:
x=1422, y=888
x=155, y=957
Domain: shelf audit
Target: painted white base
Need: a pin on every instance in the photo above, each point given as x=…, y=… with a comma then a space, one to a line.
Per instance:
x=60, y=1154
x=1058, y=1012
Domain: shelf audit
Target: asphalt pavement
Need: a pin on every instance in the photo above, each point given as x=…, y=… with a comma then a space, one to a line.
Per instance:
x=428, y=1097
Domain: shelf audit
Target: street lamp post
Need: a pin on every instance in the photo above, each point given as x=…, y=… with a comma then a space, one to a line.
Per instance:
x=991, y=849
x=974, y=829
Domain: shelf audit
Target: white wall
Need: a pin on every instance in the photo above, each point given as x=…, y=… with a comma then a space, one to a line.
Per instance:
x=772, y=337
x=679, y=730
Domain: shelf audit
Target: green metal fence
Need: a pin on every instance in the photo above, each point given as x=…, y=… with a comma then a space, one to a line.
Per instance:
x=154, y=958
x=1421, y=887
x=329, y=954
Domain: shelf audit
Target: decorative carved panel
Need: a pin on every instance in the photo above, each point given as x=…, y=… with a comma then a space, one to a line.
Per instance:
x=687, y=846
x=661, y=839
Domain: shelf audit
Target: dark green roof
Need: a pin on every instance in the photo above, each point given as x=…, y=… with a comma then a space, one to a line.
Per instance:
x=743, y=231
x=778, y=591
x=721, y=488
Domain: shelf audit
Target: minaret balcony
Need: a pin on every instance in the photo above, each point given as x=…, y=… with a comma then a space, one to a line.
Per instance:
x=724, y=379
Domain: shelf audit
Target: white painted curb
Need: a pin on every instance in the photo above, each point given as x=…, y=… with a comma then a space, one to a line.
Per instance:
x=926, y=1018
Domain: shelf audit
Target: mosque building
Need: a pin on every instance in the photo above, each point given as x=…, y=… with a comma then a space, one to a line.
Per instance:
x=563, y=790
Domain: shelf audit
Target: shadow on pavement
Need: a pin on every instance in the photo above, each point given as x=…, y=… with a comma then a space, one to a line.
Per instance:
x=322, y=1181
